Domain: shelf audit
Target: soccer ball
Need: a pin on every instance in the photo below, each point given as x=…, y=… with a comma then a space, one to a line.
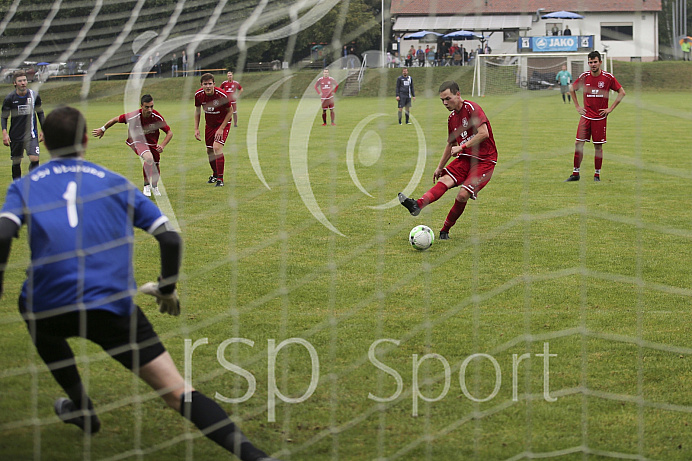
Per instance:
x=421, y=237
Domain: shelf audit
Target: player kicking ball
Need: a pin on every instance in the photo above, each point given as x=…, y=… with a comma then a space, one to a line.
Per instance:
x=470, y=141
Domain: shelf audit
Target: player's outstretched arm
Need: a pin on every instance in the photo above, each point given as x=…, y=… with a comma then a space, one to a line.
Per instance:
x=99, y=132
x=8, y=229
x=170, y=245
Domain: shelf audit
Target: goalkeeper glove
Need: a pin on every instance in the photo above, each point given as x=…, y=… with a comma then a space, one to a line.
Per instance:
x=168, y=303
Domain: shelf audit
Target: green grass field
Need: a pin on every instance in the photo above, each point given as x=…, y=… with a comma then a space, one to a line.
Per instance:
x=597, y=273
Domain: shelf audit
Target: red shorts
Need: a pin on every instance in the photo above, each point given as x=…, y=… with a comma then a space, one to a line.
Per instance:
x=210, y=134
x=140, y=148
x=328, y=103
x=470, y=173
x=592, y=130
x=234, y=107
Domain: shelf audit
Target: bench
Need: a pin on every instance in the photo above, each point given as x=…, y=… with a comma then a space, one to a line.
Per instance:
x=120, y=74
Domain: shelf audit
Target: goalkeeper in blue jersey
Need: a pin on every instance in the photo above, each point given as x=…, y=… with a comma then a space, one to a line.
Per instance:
x=80, y=218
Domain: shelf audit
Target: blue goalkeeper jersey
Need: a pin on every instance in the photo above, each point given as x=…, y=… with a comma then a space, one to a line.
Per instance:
x=80, y=219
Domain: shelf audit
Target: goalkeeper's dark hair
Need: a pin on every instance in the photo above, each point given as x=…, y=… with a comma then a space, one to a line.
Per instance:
x=450, y=85
x=146, y=98
x=64, y=131
x=595, y=55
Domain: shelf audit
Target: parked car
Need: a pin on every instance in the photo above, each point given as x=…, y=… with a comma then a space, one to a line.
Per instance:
x=7, y=73
x=28, y=67
x=51, y=70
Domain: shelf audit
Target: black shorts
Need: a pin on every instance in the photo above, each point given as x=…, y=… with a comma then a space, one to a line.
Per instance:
x=17, y=148
x=131, y=340
x=404, y=101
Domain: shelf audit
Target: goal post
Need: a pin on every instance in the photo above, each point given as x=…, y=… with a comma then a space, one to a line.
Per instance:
x=512, y=72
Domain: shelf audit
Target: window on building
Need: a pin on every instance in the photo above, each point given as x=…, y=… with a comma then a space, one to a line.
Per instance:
x=618, y=31
x=510, y=35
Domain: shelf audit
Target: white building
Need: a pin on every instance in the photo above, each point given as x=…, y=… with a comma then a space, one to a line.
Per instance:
x=628, y=30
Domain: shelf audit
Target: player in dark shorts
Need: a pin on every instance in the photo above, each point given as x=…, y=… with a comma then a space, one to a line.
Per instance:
x=405, y=93
x=23, y=107
x=80, y=280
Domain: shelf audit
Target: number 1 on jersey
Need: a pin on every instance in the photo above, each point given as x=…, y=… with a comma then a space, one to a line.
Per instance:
x=71, y=196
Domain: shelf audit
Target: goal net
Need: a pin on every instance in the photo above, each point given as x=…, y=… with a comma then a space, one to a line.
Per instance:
x=553, y=324
x=509, y=73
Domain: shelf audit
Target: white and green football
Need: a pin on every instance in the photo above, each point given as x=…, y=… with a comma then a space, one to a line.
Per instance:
x=421, y=237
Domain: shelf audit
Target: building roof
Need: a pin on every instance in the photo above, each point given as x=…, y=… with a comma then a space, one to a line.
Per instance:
x=481, y=7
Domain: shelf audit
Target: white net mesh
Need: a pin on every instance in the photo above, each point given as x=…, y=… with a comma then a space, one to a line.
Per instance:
x=553, y=325
x=509, y=73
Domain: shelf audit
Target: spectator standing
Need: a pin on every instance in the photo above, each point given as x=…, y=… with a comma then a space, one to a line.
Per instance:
x=420, y=56
x=157, y=64
x=686, y=46
x=198, y=64
x=174, y=65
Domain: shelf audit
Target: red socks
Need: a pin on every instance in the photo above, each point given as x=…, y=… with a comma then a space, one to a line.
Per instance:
x=220, y=162
x=432, y=195
x=578, y=156
x=453, y=216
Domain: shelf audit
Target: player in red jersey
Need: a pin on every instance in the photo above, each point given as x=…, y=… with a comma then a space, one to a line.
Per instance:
x=233, y=90
x=471, y=142
x=326, y=87
x=143, y=127
x=592, y=124
x=217, y=114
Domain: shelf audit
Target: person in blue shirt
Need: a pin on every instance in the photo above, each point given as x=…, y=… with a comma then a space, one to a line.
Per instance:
x=80, y=282
x=565, y=78
x=22, y=107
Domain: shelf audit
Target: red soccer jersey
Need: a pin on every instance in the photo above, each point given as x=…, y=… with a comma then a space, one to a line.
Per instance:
x=215, y=107
x=596, y=92
x=138, y=125
x=230, y=88
x=462, y=125
x=326, y=87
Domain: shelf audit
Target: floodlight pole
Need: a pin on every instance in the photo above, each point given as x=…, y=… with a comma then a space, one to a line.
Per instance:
x=382, y=55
